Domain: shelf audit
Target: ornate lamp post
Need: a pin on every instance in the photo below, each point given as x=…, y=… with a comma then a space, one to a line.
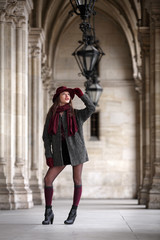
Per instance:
x=86, y=56
x=88, y=53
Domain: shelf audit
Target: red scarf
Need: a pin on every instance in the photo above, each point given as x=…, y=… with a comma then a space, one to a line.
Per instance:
x=71, y=121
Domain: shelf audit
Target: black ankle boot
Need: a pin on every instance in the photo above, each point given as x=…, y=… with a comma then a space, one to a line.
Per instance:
x=49, y=216
x=72, y=216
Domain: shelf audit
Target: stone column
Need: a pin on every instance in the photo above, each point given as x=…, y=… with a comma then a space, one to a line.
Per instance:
x=46, y=74
x=4, y=192
x=139, y=128
x=21, y=196
x=36, y=38
x=145, y=42
x=154, y=194
x=14, y=105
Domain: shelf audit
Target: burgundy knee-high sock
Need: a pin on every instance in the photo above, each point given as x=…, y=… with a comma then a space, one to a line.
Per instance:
x=48, y=191
x=77, y=195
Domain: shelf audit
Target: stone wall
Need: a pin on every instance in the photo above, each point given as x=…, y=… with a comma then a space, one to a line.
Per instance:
x=111, y=171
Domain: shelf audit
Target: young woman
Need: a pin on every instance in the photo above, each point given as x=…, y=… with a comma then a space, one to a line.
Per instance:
x=64, y=145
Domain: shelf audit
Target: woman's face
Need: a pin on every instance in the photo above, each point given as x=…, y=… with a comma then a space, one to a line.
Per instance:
x=64, y=98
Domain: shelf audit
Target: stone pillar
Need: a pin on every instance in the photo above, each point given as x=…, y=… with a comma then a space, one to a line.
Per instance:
x=4, y=192
x=36, y=38
x=14, y=105
x=46, y=74
x=139, y=129
x=154, y=194
x=22, y=195
x=144, y=39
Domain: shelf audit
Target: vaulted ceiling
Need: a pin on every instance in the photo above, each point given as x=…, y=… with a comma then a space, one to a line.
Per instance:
x=53, y=16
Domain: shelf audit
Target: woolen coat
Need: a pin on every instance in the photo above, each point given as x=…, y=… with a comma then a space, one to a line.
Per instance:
x=75, y=144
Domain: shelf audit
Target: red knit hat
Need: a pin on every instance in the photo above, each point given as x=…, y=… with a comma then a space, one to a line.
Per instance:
x=63, y=89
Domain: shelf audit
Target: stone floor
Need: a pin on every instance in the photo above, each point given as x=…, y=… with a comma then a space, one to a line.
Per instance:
x=97, y=219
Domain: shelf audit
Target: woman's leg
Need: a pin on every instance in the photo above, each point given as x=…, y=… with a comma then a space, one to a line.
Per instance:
x=77, y=178
x=51, y=175
x=77, y=173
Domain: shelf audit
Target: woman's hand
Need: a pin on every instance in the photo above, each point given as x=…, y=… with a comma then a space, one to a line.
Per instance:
x=78, y=92
x=49, y=162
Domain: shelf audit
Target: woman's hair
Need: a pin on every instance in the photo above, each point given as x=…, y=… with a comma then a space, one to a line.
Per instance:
x=55, y=105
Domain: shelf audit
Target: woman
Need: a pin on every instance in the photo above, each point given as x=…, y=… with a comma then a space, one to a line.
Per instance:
x=64, y=145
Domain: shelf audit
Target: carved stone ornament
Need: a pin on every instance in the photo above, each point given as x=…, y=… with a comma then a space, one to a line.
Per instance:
x=138, y=85
x=34, y=51
x=46, y=72
x=7, y=13
x=156, y=20
x=11, y=7
x=138, y=80
x=2, y=15
x=14, y=12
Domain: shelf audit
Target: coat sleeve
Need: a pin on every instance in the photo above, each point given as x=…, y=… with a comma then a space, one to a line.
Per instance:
x=85, y=113
x=47, y=138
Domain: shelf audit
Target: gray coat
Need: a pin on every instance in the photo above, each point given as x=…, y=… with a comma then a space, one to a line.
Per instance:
x=76, y=146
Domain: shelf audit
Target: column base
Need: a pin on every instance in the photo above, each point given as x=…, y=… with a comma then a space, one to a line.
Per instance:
x=21, y=199
x=143, y=197
x=154, y=199
x=4, y=199
x=21, y=195
x=4, y=192
x=144, y=194
x=37, y=195
x=36, y=188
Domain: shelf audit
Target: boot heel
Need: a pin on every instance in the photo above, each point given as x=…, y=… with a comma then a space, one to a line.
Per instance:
x=52, y=220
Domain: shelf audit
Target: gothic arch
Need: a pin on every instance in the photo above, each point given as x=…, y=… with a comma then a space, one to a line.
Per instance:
x=55, y=19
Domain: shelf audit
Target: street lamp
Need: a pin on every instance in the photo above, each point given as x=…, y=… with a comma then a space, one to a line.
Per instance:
x=86, y=56
x=94, y=90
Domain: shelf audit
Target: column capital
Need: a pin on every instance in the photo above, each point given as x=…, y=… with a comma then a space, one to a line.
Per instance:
x=46, y=72
x=7, y=13
x=22, y=6
x=36, y=38
x=34, y=51
x=2, y=15
x=16, y=11
x=21, y=12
